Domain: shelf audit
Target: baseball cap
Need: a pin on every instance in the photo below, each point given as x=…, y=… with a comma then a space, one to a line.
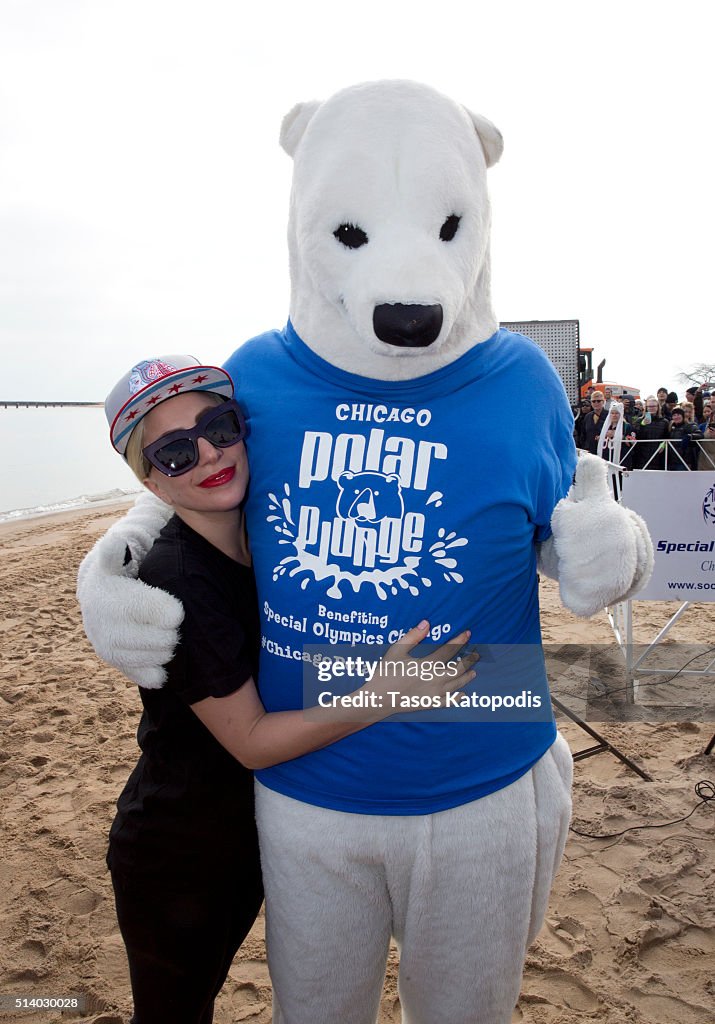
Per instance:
x=151, y=382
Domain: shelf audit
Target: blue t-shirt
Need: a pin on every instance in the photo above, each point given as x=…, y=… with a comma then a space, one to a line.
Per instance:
x=375, y=504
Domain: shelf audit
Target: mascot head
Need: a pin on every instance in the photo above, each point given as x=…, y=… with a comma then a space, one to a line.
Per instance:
x=389, y=228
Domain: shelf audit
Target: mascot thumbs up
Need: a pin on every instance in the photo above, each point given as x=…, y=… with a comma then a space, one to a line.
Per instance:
x=380, y=495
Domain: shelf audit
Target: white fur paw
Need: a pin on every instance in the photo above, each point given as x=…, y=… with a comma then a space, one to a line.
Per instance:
x=644, y=553
x=604, y=552
x=130, y=625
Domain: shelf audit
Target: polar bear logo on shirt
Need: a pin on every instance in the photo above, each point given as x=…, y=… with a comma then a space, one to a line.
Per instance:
x=369, y=497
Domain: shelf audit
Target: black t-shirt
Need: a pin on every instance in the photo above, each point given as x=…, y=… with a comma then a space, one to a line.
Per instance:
x=188, y=805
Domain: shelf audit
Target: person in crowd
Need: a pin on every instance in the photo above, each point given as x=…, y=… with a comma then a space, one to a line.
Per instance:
x=706, y=457
x=611, y=436
x=650, y=434
x=629, y=409
x=584, y=410
x=694, y=397
x=633, y=411
x=670, y=403
x=608, y=397
x=610, y=442
x=703, y=420
x=683, y=455
x=662, y=396
x=594, y=422
x=688, y=412
x=183, y=849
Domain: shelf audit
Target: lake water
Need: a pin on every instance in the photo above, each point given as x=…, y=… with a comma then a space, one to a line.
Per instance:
x=58, y=458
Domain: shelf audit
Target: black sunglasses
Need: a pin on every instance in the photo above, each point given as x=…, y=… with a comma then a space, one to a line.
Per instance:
x=177, y=452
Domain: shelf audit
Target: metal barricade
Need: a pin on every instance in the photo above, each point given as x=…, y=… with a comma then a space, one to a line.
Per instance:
x=673, y=450
x=621, y=615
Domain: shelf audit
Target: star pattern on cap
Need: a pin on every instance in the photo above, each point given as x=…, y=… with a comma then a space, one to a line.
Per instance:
x=200, y=379
x=132, y=414
x=153, y=400
x=175, y=388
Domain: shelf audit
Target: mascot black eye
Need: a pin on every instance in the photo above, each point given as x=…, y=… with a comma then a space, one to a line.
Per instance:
x=449, y=228
x=351, y=236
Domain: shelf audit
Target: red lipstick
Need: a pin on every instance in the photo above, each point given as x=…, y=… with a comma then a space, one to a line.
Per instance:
x=218, y=479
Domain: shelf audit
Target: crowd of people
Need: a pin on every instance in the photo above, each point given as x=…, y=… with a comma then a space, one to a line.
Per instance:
x=658, y=433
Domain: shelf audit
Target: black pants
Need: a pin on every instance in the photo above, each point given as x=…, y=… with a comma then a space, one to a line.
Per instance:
x=181, y=939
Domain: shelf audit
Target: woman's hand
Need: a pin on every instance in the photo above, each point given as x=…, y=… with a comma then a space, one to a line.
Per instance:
x=437, y=673
x=259, y=738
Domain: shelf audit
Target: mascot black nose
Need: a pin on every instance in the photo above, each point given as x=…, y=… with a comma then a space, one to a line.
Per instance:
x=407, y=326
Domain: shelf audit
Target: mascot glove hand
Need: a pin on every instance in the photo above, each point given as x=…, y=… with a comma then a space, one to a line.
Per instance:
x=131, y=625
x=604, y=550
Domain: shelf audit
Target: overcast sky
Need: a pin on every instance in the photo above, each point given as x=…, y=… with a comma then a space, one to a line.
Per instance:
x=143, y=194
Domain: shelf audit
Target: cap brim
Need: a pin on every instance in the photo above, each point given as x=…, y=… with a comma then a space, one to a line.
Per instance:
x=194, y=378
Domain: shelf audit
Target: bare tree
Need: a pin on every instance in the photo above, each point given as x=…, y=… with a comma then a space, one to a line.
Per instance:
x=698, y=374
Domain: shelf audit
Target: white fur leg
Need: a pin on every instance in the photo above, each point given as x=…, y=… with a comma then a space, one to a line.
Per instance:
x=553, y=777
x=464, y=888
x=480, y=885
x=327, y=911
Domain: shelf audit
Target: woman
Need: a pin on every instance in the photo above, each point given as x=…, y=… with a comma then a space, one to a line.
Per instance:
x=684, y=455
x=183, y=851
x=611, y=436
x=650, y=435
x=610, y=443
x=695, y=399
x=688, y=412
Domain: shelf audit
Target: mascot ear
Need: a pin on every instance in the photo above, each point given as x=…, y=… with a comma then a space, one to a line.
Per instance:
x=489, y=136
x=294, y=124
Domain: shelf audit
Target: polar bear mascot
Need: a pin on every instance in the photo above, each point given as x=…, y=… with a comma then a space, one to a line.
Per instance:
x=380, y=495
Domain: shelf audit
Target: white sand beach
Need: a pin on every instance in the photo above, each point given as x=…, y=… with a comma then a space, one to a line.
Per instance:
x=630, y=932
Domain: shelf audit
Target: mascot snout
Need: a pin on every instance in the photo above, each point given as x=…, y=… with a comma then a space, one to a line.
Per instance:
x=410, y=326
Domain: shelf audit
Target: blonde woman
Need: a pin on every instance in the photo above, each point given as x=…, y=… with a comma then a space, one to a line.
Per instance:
x=650, y=434
x=183, y=849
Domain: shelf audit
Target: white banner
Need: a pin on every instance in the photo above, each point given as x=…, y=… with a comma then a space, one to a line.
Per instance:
x=679, y=509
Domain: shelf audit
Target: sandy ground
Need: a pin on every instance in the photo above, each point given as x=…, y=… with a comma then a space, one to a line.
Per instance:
x=630, y=932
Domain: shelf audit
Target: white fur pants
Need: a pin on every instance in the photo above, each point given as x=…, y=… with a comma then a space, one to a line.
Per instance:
x=463, y=891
